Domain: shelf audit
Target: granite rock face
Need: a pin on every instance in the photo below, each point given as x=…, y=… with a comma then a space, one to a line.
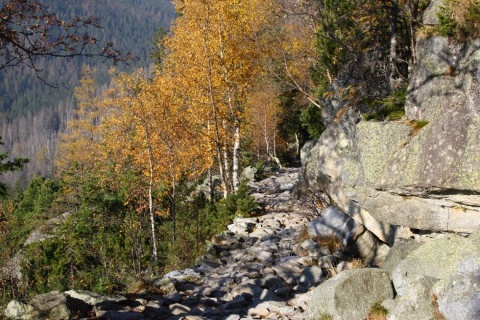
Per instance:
x=439, y=277
x=389, y=174
x=350, y=294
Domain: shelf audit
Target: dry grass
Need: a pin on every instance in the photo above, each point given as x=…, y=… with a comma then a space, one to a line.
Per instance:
x=356, y=264
x=426, y=32
x=331, y=242
x=377, y=312
x=417, y=125
x=463, y=11
x=144, y=285
x=303, y=235
x=437, y=315
x=461, y=18
x=331, y=269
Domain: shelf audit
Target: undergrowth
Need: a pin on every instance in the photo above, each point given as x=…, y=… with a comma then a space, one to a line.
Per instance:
x=390, y=108
x=459, y=19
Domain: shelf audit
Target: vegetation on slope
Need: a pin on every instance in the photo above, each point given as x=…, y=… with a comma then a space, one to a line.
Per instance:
x=32, y=113
x=159, y=171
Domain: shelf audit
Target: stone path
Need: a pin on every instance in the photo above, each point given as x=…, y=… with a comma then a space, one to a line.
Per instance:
x=255, y=270
x=250, y=272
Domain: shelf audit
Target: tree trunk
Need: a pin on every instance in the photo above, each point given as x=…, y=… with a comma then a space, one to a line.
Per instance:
x=236, y=149
x=413, y=11
x=226, y=168
x=150, y=206
x=393, y=45
x=173, y=213
x=212, y=101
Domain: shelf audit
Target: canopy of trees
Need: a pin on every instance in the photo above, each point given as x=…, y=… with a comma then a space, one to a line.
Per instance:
x=34, y=113
x=236, y=83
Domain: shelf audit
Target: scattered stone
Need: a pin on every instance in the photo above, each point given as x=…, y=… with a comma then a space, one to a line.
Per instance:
x=266, y=270
x=19, y=310
x=178, y=309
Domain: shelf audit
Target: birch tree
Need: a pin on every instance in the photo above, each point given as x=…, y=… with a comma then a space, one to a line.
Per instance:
x=147, y=126
x=215, y=53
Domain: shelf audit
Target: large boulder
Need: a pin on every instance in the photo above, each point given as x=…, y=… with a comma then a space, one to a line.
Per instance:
x=439, y=277
x=21, y=311
x=351, y=235
x=349, y=295
x=399, y=252
x=52, y=305
x=461, y=298
x=393, y=174
x=48, y=229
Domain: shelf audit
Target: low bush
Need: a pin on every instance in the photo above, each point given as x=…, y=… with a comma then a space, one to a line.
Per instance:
x=390, y=108
x=459, y=19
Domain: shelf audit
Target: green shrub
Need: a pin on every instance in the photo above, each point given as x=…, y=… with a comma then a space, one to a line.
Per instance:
x=390, y=108
x=459, y=19
x=377, y=312
x=311, y=120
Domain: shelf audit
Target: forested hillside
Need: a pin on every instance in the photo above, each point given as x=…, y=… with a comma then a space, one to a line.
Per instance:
x=34, y=111
x=150, y=165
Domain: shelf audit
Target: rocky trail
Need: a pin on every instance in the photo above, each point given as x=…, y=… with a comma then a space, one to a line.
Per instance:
x=275, y=266
x=255, y=270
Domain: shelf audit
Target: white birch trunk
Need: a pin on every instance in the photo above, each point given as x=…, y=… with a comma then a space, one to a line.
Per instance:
x=236, y=149
x=150, y=206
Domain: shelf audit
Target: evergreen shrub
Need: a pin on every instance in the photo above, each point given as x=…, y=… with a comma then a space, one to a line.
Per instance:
x=459, y=19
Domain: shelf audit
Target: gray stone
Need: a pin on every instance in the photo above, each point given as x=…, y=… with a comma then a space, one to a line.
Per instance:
x=380, y=255
x=311, y=276
x=271, y=282
x=438, y=277
x=88, y=297
x=47, y=301
x=260, y=254
x=242, y=226
x=438, y=259
x=47, y=230
x=430, y=15
x=333, y=222
x=392, y=174
x=54, y=305
x=51, y=305
x=416, y=301
x=236, y=303
x=247, y=287
x=398, y=252
x=461, y=298
x=365, y=246
x=248, y=174
x=19, y=310
x=350, y=294
x=178, y=309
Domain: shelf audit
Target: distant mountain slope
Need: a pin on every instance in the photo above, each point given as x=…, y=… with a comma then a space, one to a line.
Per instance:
x=33, y=113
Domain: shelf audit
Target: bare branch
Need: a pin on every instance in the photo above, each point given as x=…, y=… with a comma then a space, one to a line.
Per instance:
x=29, y=31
